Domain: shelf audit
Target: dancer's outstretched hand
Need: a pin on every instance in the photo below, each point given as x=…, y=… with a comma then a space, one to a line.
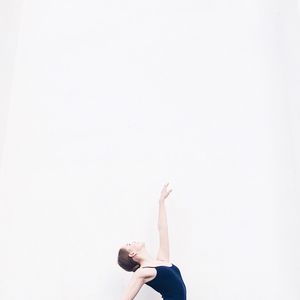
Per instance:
x=164, y=192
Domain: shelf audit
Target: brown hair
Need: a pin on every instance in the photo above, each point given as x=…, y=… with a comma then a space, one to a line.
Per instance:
x=126, y=262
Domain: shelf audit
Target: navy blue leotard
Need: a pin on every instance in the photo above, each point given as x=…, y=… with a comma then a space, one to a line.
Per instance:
x=168, y=282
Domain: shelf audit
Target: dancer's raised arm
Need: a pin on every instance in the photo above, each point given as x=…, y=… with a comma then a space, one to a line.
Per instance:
x=163, y=251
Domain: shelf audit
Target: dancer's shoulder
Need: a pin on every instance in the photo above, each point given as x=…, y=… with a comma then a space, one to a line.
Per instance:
x=145, y=273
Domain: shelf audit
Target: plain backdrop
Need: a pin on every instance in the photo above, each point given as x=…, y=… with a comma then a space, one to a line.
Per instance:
x=102, y=102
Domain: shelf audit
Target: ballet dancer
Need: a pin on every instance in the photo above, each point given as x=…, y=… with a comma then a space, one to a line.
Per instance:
x=158, y=273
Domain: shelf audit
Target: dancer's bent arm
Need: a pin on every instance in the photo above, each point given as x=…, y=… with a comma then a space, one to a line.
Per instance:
x=135, y=284
x=164, y=251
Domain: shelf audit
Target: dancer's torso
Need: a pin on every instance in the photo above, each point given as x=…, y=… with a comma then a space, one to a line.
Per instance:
x=167, y=280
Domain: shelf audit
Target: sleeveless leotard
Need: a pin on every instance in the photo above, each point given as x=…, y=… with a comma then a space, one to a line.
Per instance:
x=168, y=282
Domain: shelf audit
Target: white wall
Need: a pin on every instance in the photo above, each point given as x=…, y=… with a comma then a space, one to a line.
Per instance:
x=9, y=27
x=110, y=100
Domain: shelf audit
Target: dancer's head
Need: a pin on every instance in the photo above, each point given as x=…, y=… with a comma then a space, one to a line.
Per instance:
x=130, y=256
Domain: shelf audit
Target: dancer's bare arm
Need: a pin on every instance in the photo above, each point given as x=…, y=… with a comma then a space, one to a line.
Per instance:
x=163, y=251
x=136, y=282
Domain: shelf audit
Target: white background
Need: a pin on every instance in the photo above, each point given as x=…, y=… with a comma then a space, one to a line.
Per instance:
x=102, y=102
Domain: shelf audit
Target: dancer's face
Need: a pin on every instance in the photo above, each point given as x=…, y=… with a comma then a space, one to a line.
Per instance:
x=134, y=246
